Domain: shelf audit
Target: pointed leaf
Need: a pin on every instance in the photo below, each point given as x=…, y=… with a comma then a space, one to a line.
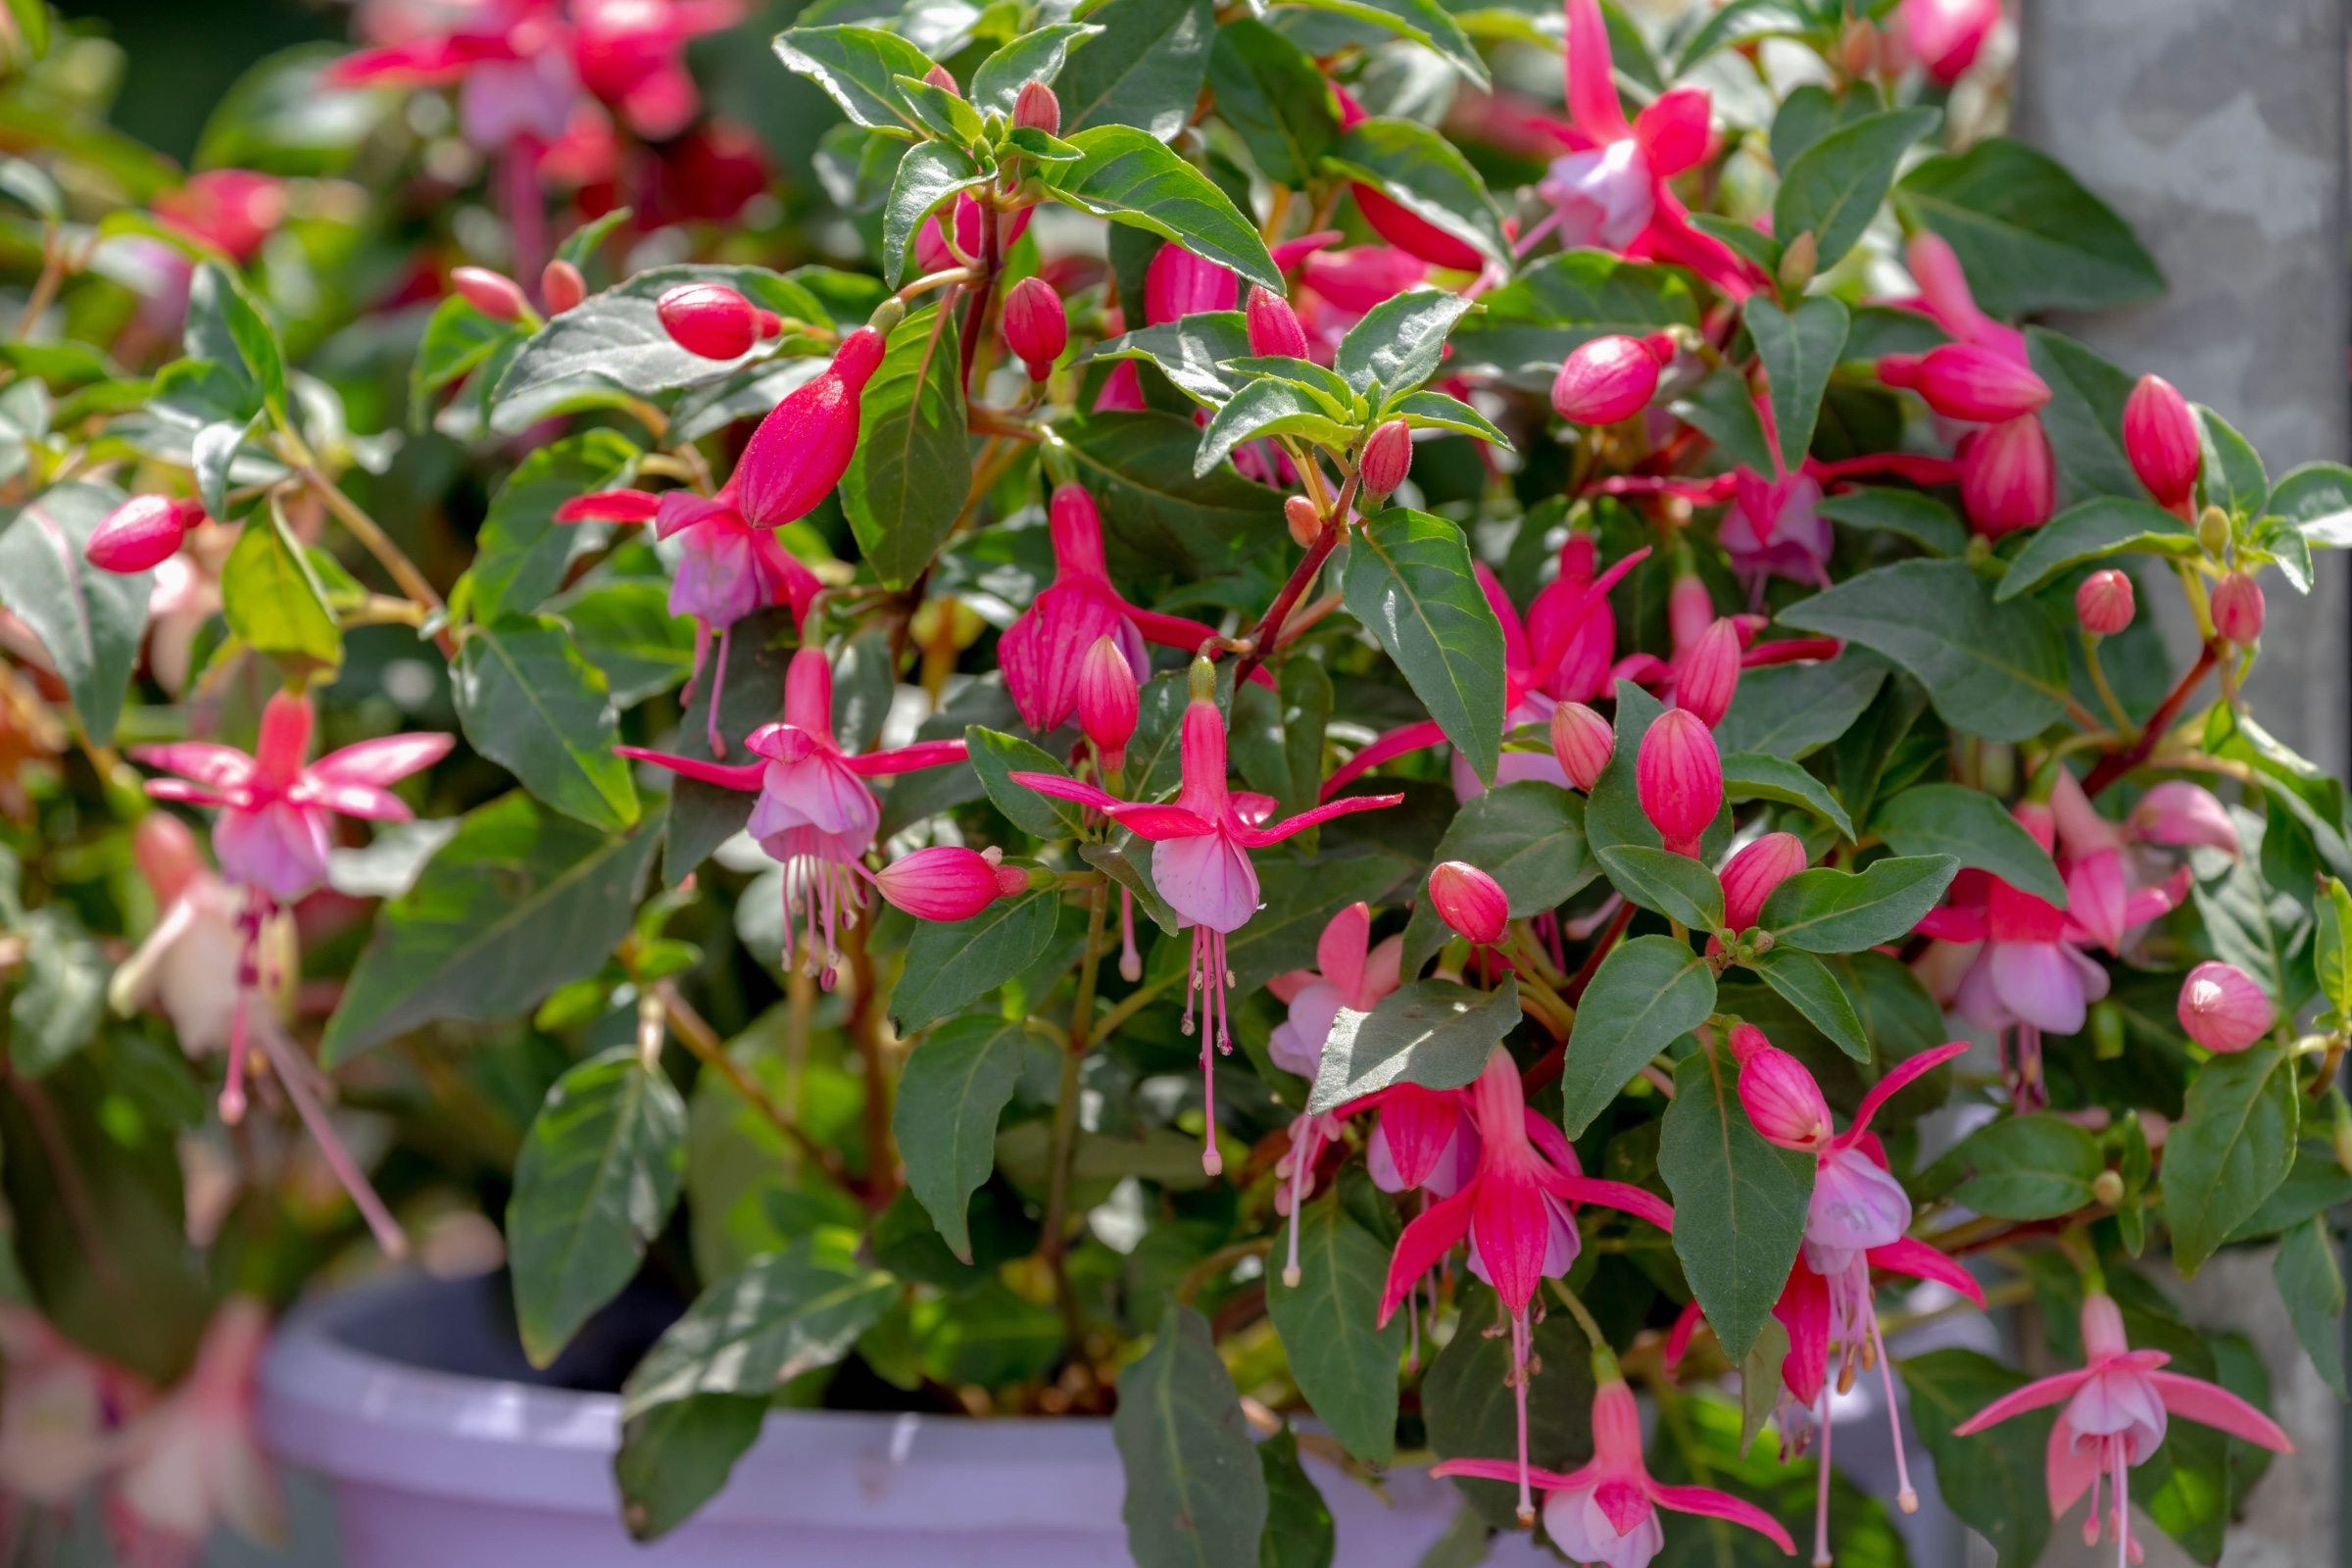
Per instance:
x=1811, y=987
x=89, y=621
x=858, y=68
x=995, y=759
x=1836, y=186
x=1676, y=886
x=273, y=599
x=1724, y=410
x=1399, y=341
x=2311, y=1282
x=955, y=1087
x=929, y=174
x=1921, y=518
x=2084, y=418
x=2029, y=1167
x=2231, y=474
x=1344, y=1366
x=1193, y=352
x=2030, y=236
x=1647, y=994
x=906, y=483
x=1157, y=515
x=532, y=705
x=1789, y=710
x=1195, y=1497
x=1740, y=1203
x=1130, y=178
x=950, y=965
x=1268, y=408
x=2316, y=498
x=1973, y=828
x=1409, y=581
x=1828, y=911
x=1036, y=55
x=1143, y=70
x=522, y=552
x=1799, y=349
x=1471, y=1407
x=2233, y=1146
x=2099, y=527
x=1754, y=777
x=676, y=1456
x=1994, y=1478
x=1434, y=1033
x=1275, y=98
x=1424, y=21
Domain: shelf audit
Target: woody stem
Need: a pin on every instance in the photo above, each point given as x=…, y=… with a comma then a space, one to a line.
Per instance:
x=2114, y=767
x=1270, y=628
x=981, y=294
x=698, y=1038
x=379, y=544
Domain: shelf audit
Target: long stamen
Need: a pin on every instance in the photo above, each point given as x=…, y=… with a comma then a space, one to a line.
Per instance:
x=1302, y=1156
x=232, y=1093
x=2123, y=1503
x=1131, y=964
x=291, y=1072
x=1520, y=1334
x=1904, y=1497
x=718, y=684
x=1821, y=1501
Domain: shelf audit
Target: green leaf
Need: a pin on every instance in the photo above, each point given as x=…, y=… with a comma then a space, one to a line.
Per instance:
x=1647, y=994
x=1424, y=21
x=210, y=457
x=2231, y=473
x=1811, y=987
x=226, y=325
x=2084, y=418
x=1740, y=1203
x=1434, y=411
x=1530, y=324
x=930, y=173
x=1994, y=1478
x=1036, y=55
x=906, y=482
x=995, y=758
x=1434, y=1033
x=2037, y=1167
x=2097, y=528
x=1471, y=1407
x=2331, y=944
x=1723, y=410
x=1191, y=352
x=2311, y=1282
x=1130, y=178
x=615, y=341
x=1918, y=517
x=1267, y=407
x=528, y=702
x=1744, y=21
x=1789, y=710
x=2234, y=1144
x=1757, y=776
x=1276, y=737
x=1828, y=911
x=1811, y=113
x=2315, y=1183
x=955, y=1087
x=520, y=556
x=676, y=1456
x=1398, y=343
x=949, y=964
x=784, y=1314
x=1298, y=1532
x=1345, y=1365
x=1409, y=581
x=1973, y=828
x=1998, y=670
x=271, y=598
x=1799, y=349
x=1270, y=91
x=1426, y=176
x=89, y=621
x=520, y=902
x=1143, y=70
x=702, y=816
x=1299, y=898
x=1835, y=188
x=1760, y=1379
x=1676, y=886
x=1528, y=837
x=2316, y=498
x=456, y=341
x=62, y=998
x=858, y=68
x=623, y=627
x=595, y=1183
x=1195, y=1497
x=1157, y=516
x=943, y=113
x=2029, y=235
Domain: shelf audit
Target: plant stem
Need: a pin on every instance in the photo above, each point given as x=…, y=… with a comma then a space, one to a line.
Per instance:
x=695, y=1033
x=1128, y=1006
x=1270, y=628
x=2098, y=679
x=1576, y=1309
x=44, y=288
x=869, y=1027
x=982, y=294
x=379, y=544
x=2116, y=765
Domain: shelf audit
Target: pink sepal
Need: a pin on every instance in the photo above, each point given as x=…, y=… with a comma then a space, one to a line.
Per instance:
x=610, y=506
x=1720, y=1505
x=742, y=776
x=2218, y=1408
x=1917, y=1259
x=1897, y=1079
x=1259, y=837
x=906, y=759
x=1395, y=744
x=1429, y=1238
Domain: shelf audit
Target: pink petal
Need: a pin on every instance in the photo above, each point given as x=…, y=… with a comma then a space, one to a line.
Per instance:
x=1637, y=1202
x=2095, y=898
x=1160, y=823
x=2035, y=981
x=1395, y=742
x=1260, y=836
x=1721, y=1505
x=1066, y=789
x=2035, y=1395
x=2069, y=1469
x=1674, y=130
x=1204, y=878
x=1552, y=1143
x=175, y=789
x=221, y=766
x=1429, y=1238
x=1804, y=1311
x=817, y=792
x=1901, y=1077
x=355, y=800
x=2213, y=1407
x=382, y=761
x=1511, y=1230
x=1382, y=967
x=906, y=759
x=1623, y=1502
x=1509, y=1470
x=1340, y=950
x=1915, y=1257
x=740, y=777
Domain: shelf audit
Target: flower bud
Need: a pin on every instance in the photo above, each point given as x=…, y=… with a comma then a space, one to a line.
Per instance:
x=2103, y=604
x=1608, y=379
x=1037, y=109
x=2008, y=476
x=939, y=76
x=165, y=851
x=2340, y=1133
x=1107, y=701
x=1964, y=382
x=2237, y=609
x=562, y=286
x=1035, y=327
x=1783, y=1102
x=2107, y=1188
x=2160, y=437
x=2178, y=813
x=1754, y=872
x=802, y=449
x=1274, y=327
x=1470, y=902
x=1179, y=283
x=1388, y=457
x=1679, y=777
x=1709, y=673
x=931, y=252
x=1584, y=743
x=1689, y=610
x=1306, y=522
x=142, y=532
x=946, y=882
x=2213, y=531
x=1946, y=36
x=1746, y=1040
x=2107, y=1036
x=2223, y=1008
x=494, y=294
x=708, y=320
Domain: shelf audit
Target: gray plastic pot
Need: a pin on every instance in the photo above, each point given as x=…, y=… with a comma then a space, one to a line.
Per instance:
x=443, y=1449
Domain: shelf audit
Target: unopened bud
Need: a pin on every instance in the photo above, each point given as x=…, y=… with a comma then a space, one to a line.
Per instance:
x=1709, y=673
x=1109, y=703
x=2103, y=603
x=1964, y=382
x=1782, y=1101
x=946, y=882
x=2107, y=1188
x=1470, y=902
x=1388, y=457
x=2237, y=609
x=494, y=294
x=2222, y=1009
x=1037, y=109
x=708, y=320
x=563, y=286
x=141, y=533
x=1274, y=328
x=1755, y=873
x=2213, y=530
x=1606, y=380
x=1797, y=261
x=2107, y=1031
x=1036, y=328
x=1858, y=50
x=1584, y=743
x=1678, y=775
x=940, y=77
x=2009, y=476
x=1306, y=522
x=2160, y=438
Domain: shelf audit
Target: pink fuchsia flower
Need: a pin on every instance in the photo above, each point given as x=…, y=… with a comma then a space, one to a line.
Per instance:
x=1752, y=875
x=2115, y=1417
x=188, y=964
x=58, y=1405
x=142, y=533
x=802, y=449
x=1608, y=379
x=195, y=1459
x=1410, y=233
x=947, y=882
x=1470, y=902
x=2104, y=603
x=1605, y=1510
x=1517, y=1212
x=2222, y=1009
x=1678, y=778
x=1582, y=742
x=2008, y=476
x=1572, y=631
x=727, y=569
x=231, y=210
x=1044, y=653
x=1201, y=863
x=1946, y=299
x=2160, y=438
x=1179, y=283
x=2237, y=609
x=1967, y=382
x=815, y=816
x=1946, y=36
x=2178, y=813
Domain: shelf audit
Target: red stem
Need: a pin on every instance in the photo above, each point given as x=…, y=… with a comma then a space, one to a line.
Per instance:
x=2115, y=765
x=1270, y=629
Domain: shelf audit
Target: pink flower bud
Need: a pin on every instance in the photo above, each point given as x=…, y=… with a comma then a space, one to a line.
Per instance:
x=166, y=854
x=1107, y=701
x=1388, y=457
x=494, y=294
x=709, y=320
x=1753, y=874
x=1709, y=673
x=2160, y=437
x=563, y=286
x=1690, y=610
x=1304, y=522
x=1746, y=1040
x=940, y=77
x=1179, y=283
x=1679, y=777
x=142, y=532
x=1037, y=109
x=2103, y=604
x=946, y=882
x=1945, y=35
x=1608, y=379
x=2237, y=609
x=1964, y=382
x=2008, y=476
x=2223, y=1008
x=931, y=252
x=2176, y=811
x=1035, y=327
x=1274, y=327
x=802, y=449
x=1584, y=743
x=1783, y=1102
x=1469, y=901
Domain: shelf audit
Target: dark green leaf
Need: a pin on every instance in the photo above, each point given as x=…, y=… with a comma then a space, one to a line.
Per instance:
x=1298, y=1530
x=1409, y=581
x=2037, y=1167
x=1191, y=352
x=90, y=621
x=624, y=628
x=1271, y=94
x=1130, y=178
x=615, y=340
x=226, y=325
x=2316, y=498
x=2084, y=418
x=1759, y=776
x=1724, y=410
x=1528, y=837
x=1788, y=710
x=532, y=705
x=1916, y=517
x=1156, y=516
x=1143, y=70
x=1647, y=994
x=2234, y=1144
x=1195, y=1497
x=1036, y=55
x=2097, y=528
x=2029, y=235
x=1676, y=886
x=1471, y=1409
x=1744, y=21
x=1345, y=1365
x=906, y=485
x=456, y=340
x=1300, y=898
x=1434, y=1033
x=858, y=68
x=1993, y=1480
x=1811, y=987
x=1530, y=324
x=1424, y=21
x=62, y=995
x=1434, y=411
x=1398, y=342
x=676, y=1456
x=1267, y=407
x=949, y=964
x=273, y=599
x=2315, y=1183
x=1973, y=828
x=1828, y=911
x=702, y=816
x=995, y=758
x=596, y=1180
x=1740, y=1203
x=1424, y=174
x=929, y=174
x=2231, y=474
x=955, y=1087
x=522, y=554
x=1835, y=186
x=1799, y=349
x=2311, y=1282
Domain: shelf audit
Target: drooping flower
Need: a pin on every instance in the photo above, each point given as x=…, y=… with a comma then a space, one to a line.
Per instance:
x=188, y=964
x=1517, y=1212
x=1605, y=1510
x=802, y=449
x=56, y=1403
x=2115, y=1417
x=195, y=1459
x=1201, y=863
x=815, y=816
x=1967, y=381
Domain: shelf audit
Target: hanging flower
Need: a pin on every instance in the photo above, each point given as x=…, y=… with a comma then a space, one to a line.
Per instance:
x=195, y=1459
x=188, y=964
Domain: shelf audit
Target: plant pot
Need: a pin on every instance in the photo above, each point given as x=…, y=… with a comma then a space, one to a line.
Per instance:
x=444, y=1446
